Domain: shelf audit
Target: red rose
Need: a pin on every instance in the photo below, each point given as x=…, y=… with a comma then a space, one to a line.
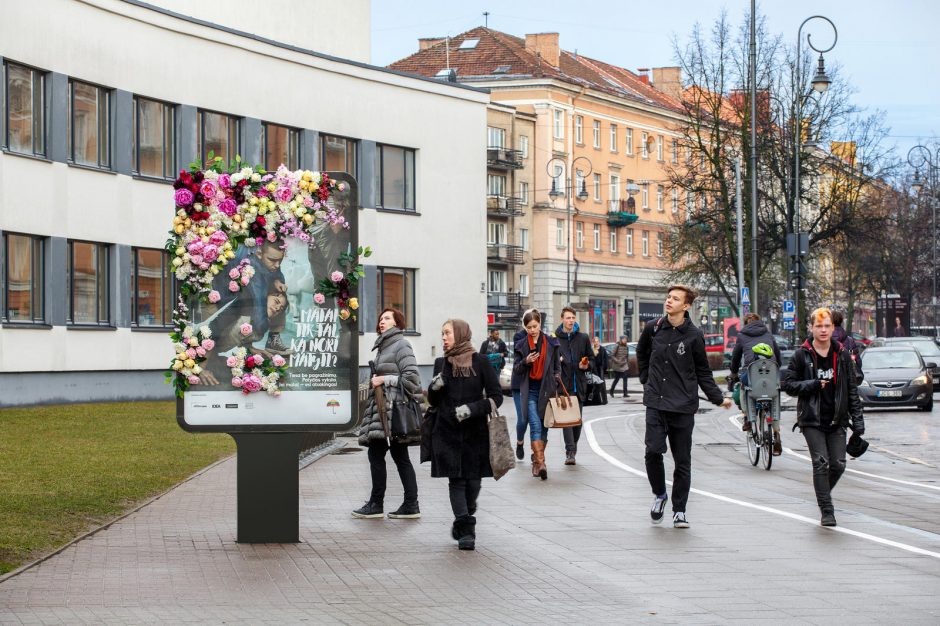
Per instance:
x=260, y=220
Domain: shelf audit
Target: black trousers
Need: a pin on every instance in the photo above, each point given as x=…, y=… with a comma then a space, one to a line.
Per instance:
x=463, y=495
x=406, y=471
x=619, y=376
x=827, y=450
x=677, y=429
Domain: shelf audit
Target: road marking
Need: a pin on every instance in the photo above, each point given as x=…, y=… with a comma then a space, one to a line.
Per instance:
x=592, y=441
x=854, y=471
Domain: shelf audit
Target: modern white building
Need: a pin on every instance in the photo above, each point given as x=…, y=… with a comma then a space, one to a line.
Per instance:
x=103, y=101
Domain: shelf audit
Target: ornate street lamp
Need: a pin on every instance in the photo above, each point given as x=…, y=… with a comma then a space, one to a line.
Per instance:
x=556, y=168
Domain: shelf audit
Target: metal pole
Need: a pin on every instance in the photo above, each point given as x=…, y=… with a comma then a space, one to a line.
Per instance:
x=753, y=72
x=568, y=261
x=740, y=228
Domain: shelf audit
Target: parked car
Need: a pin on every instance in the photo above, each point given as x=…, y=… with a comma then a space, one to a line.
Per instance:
x=896, y=376
x=505, y=377
x=862, y=341
x=783, y=342
x=634, y=369
x=928, y=350
x=785, y=356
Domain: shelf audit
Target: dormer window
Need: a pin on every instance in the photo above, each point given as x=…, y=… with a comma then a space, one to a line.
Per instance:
x=468, y=44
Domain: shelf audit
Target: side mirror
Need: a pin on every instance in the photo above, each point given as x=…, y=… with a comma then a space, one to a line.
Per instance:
x=930, y=365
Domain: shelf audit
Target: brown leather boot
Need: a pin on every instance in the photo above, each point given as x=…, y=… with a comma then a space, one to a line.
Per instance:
x=538, y=468
x=535, y=456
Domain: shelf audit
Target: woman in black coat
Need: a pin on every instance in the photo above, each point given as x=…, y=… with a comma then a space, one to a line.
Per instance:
x=536, y=365
x=461, y=390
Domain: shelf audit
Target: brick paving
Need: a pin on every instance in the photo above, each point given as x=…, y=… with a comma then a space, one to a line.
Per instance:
x=578, y=548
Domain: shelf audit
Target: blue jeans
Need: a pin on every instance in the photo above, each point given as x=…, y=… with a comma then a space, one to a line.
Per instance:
x=534, y=423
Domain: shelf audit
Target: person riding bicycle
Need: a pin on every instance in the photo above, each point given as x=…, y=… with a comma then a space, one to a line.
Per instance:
x=755, y=332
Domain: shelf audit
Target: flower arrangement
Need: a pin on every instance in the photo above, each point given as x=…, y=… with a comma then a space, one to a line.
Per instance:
x=220, y=208
x=338, y=284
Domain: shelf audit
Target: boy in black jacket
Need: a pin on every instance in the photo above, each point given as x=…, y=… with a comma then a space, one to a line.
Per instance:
x=577, y=358
x=673, y=365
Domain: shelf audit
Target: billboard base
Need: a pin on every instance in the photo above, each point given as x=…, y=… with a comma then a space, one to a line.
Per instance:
x=268, y=487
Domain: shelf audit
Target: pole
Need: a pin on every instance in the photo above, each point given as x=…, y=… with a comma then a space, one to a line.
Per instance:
x=753, y=73
x=740, y=228
x=568, y=260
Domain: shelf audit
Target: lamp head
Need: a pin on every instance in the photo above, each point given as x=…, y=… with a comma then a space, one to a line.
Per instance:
x=582, y=192
x=918, y=183
x=821, y=80
x=554, y=193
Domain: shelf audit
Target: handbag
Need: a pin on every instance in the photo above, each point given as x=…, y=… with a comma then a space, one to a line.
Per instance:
x=405, y=420
x=596, y=391
x=562, y=411
x=428, y=421
x=502, y=458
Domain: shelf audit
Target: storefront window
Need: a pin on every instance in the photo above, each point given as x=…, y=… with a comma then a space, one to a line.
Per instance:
x=604, y=320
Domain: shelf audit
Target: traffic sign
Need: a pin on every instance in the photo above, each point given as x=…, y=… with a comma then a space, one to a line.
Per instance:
x=745, y=296
x=788, y=306
x=789, y=324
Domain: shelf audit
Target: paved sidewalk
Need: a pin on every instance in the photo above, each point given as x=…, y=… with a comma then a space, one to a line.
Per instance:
x=577, y=549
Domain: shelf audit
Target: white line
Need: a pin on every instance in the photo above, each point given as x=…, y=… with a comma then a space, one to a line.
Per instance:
x=592, y=440
x=854, y=471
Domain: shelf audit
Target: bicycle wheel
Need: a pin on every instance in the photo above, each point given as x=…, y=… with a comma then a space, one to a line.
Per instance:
x=766, y=438
x=753, y=443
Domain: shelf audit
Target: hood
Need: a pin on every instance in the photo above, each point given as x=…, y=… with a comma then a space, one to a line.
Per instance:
x=519, y=335
x=754, y=329
x=808, y=346
x=560, y=331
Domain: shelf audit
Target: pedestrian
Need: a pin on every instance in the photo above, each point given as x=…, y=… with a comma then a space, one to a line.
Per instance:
x=522, y=424
x=601, y=359
x=396, y=372
x=495, y=350
x=577, y=359
x=620, y=365
x=462, y=388
x=821, y=376
x=536, y=364
x=753, y=333
x=848, y=342
x=673, y=365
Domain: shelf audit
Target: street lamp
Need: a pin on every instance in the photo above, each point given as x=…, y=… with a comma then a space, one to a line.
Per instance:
x=920, y=156
x=556, y=168
x=819, y=84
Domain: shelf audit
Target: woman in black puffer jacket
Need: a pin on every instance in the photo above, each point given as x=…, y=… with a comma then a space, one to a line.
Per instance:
x=461, y=390
x=396, y=371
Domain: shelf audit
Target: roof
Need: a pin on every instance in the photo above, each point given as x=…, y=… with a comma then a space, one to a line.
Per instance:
x=500, y=56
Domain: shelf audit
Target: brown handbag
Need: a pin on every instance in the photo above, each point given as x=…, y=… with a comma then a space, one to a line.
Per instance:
x=562, y=411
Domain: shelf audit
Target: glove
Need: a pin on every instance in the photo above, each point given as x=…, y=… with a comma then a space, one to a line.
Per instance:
x=391, y=380
x=436, y=383
x=462, y=412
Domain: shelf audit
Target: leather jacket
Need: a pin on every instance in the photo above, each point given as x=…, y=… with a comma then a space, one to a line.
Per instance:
x=799, y=379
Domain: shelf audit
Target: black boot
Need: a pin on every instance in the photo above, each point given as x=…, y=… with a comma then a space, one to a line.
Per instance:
x=464, y=531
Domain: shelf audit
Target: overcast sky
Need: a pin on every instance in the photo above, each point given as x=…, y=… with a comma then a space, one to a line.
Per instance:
x=889, y=51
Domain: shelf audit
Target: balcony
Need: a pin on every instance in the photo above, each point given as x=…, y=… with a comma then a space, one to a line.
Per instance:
x=503, y=158
x=506, y=307
x=503, y=253
x=503, y=206
x=621, y=212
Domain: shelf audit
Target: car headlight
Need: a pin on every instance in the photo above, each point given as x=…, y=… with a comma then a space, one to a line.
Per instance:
x=920, y=380
x=864, y=383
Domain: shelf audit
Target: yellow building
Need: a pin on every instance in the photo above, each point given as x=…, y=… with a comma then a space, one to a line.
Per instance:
x=599, y=203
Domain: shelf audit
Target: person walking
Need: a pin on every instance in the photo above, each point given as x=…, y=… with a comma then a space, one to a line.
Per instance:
x=515, y=381
x=576, y=358
x=753, y=333
x=462, y=388
x=821, y=376
x=495, y=350
x=620, y=365
x=396, y=371
x=673, y=365
x=601, y=359
x=536, y=364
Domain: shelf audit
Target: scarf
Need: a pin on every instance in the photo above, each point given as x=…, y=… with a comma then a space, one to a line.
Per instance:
x=460, y=356
x=537, y=369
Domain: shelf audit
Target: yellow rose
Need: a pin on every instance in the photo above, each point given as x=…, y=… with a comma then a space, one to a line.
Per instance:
x=236, y=218
x=180, y=251
x=308, y=219
x=253, y=201
x=177, y=365
x=344, y=314
x=193, y=342
x=272, y=186
x=187, y=222
x=189, y=363
x=177, y=220
x=302, y=184
x=263, y=210
x=230, y=254
x=210, y=230
x=214, y=269
x=354, y=303
x=179, y=229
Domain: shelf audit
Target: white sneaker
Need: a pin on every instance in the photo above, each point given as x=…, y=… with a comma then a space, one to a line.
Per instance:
x=659, y=505
x=679, y=521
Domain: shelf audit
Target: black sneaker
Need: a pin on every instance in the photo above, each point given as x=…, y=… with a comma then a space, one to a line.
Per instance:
x=659, y=505
x=406, y=511
x=679, y=521
x=520, y=452
x=569, y=458
x=274, y=345
x=828, y=518
x=369, y=510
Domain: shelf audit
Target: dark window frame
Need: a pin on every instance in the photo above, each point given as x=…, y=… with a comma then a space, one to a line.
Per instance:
x=410, y=278
x=108, y=93
x=293, y=141
x=201, y=135
x=169, y=298
x=350, y=141
x=38, y=284
x=43, y=110
x=105, y=276
x=172, y=108
x=379, y=192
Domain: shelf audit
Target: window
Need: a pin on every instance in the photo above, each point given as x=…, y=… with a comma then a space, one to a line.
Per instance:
x=629, y=132
x=151, y=288
x=689, y=203
x=597, y=134
x=613, y=137
x=613, y=240
x=524, y=194
x=645, y=195
x=469, y=44
x=560, y=233
x=603, y=319
x=395, y=173
x=495, y=137
x=675, y=150
x=89, y=121
x=496, y=281
x=597, y=237
x=87, y=275
x=495, y=185
x=25, y=110
x=630, y=241
x=646, y=243
x=659, y=197
x=579, y=184
x=495, y=233
x=675, y=199
x=558, y=185
x=154, y=139
x=523, y=285
x=659, y=147
x=579, y=235
x=578, y=129
x=217, y=133
x=396, y=288
x=597, y=187
x=524, y=239
x=339, y=154
x=614, y=190
x=559, y=123
x=24, y=278
x=644, y=146
x=281, y=145
x=659, y=244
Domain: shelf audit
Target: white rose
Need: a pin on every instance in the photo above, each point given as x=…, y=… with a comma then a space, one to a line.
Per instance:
x=177, y=262
x=256, y=178
x=205, y=331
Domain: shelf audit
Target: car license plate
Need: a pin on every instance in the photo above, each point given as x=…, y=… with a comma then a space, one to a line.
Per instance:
x=889, y=393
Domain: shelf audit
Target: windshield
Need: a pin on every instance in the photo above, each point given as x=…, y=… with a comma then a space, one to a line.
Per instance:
x=926, y=348
x=890, y=360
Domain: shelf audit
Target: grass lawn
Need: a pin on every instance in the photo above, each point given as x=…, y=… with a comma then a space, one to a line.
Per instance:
x=67, y=469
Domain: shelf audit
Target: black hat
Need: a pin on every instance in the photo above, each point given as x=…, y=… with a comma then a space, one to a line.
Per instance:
x=856, y=446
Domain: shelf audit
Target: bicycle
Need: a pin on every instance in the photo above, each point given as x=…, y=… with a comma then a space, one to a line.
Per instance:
x=761, y=399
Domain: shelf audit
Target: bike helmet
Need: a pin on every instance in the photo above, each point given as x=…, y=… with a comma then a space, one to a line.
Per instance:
x=763, y=350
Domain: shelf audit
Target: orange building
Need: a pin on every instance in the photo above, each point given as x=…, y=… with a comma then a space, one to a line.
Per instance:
x=599, y=201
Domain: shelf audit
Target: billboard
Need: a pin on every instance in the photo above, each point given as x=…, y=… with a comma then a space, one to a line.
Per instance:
x=893, y=316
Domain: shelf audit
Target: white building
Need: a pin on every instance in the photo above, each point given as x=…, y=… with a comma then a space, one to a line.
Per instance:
x=103, y=101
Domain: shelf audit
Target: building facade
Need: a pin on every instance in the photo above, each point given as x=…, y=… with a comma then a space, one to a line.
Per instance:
x=96, y=121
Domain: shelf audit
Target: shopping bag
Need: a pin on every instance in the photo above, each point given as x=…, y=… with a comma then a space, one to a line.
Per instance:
x=562, y=410
x=502, y=458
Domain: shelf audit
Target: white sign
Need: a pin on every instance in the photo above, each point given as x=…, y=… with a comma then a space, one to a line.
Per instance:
x=789, y=324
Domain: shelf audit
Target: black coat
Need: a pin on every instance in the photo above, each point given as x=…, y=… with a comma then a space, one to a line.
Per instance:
x=799, y=379
x=601, y=363
x=516, y=379
x=673, y=365
x=521, y=369
x=749, y=336
x=462, y=449
x=571, y=349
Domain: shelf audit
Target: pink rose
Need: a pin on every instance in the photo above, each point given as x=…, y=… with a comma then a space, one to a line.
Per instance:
x=184, y=197
x=195, y=247
x=283, y=194
x=233, y=273
x=208, y=344
x=228, y=206
x=336, y=276
x=193, y=380
x=308, y=202
x=210, y=253
x=245, y=329
x=278, y=360
x=272, y=236
x=191, y=353
x=233, y=286
x=232, y=361
x=251, y=383
x=225, y=181
x=218, y=238
x=244, y=280
x=319, y=298
x=236, y=382
x=201, y=351
x=214, y=296
x=208, y=189
x=196, y=259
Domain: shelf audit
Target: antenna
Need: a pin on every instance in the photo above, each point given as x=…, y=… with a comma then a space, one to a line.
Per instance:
x=486, y=19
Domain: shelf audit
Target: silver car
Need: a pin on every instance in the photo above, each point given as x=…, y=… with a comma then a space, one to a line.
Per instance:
x=896, y=376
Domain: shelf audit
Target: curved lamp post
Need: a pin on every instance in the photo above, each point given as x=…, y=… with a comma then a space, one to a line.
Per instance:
x=556, y=168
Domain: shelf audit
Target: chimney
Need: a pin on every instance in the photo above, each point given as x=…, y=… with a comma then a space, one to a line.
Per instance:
x=427, y=42
x=544, y=45
x=668, y=80
x=643, y=73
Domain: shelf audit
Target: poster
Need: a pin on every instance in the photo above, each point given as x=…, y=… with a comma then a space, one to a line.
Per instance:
x=894, y=316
